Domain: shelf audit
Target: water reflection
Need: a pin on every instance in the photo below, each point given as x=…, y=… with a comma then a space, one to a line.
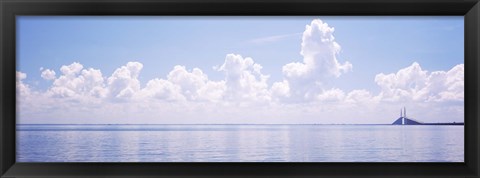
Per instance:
x=239, y=143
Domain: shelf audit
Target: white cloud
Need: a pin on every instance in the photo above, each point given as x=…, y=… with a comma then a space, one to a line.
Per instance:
x=195, y=85
x=20, y=76
x=244, y=79
x=22, y=88
x=78, y=82
x=182, y=85
x=189, y=81
x=319, y=50
x=406, y=84
x=163, y=90
x=280, y=90
x=71, y=69
x=415, y=84
x=186, y=94
x=332, y=95
x=447, y=86
x=124, y=83
x=48, y=74
x=93, y=82
x=212, y=91
x=359, y=96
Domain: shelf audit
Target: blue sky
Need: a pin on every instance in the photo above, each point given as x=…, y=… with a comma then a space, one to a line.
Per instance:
x=373, y=45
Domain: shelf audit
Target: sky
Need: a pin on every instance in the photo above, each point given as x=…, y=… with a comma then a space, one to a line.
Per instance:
x=239, y=70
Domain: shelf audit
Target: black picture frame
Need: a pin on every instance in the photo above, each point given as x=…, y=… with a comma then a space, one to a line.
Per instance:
x=470, y=9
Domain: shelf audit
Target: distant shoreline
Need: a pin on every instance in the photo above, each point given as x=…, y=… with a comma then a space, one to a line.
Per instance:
x=454, y=123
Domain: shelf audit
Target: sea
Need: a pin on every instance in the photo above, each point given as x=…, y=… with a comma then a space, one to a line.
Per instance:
x=239, y=143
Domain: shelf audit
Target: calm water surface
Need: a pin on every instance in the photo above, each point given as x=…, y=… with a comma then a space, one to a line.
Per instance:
x=239, y=143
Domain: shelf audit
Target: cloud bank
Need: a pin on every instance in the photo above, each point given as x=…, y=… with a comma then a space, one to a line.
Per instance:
x=305, y=80
x=415, y=84
x=304, y=95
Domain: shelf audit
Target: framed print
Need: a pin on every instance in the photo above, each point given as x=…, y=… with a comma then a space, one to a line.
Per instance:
x=227, y=89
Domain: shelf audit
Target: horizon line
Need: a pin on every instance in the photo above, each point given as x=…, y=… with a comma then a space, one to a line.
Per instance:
x=229, y=124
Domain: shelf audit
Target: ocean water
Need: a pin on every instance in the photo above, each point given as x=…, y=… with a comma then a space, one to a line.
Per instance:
x=239, y=143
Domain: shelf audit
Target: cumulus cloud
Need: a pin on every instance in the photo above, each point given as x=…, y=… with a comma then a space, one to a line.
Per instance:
x=320, y=64
x=48, y=74
x=212, y=91
x=407, y=83
x=183, y=85
x=332, y=95
x=320, y=50
x=415, y=84
x=22, y=88
x=20, y=76
x=124, y=83
x=163, y=90
x=75, y=81
x=244, y=85
x=71, y=69
x=190, y=82
x=447, y=86
x=195, y=85
x=244, y=79
x=280, y=90
x=359, y=97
